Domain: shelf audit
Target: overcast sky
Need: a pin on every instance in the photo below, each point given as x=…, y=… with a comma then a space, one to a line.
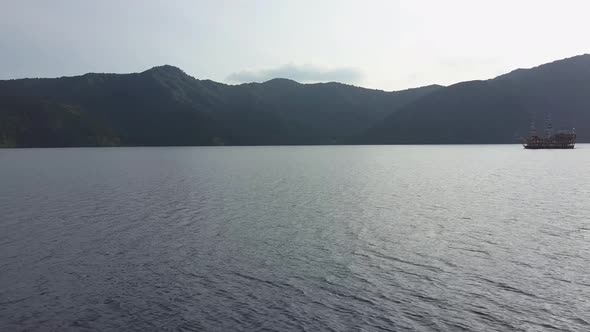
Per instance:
x=387, y=44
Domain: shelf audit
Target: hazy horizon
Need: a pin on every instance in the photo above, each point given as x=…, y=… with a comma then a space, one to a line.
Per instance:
x=386, y=45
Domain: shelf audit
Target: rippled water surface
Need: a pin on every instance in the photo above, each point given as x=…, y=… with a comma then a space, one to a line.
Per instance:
x=424, y=238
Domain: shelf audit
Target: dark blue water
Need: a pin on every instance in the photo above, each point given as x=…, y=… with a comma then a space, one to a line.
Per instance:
x=421, y=238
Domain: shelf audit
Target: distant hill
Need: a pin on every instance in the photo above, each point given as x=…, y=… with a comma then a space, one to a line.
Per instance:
x=498, y=110
x=165, y=106
x=37, y=123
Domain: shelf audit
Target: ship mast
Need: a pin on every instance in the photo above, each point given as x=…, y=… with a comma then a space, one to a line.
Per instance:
x=533, y=127
x=549, y=128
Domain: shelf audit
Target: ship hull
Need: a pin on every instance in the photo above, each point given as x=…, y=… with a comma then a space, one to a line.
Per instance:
x=558, y=141
x=539, y=147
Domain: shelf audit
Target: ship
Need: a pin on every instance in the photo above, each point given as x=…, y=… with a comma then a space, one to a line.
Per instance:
x=562, y=139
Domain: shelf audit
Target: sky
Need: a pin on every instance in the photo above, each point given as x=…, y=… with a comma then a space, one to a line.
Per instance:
x=381, y=44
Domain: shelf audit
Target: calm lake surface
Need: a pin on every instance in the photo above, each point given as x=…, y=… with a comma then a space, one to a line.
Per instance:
x=421, y=238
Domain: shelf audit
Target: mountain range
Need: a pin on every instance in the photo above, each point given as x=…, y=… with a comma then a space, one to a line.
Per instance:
x=498, y=110
x=164, y=106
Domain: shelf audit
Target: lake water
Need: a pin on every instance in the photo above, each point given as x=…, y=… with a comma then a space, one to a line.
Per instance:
x=420, y=238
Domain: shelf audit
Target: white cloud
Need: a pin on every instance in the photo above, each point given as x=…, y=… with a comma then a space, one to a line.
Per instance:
x=301, y=73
